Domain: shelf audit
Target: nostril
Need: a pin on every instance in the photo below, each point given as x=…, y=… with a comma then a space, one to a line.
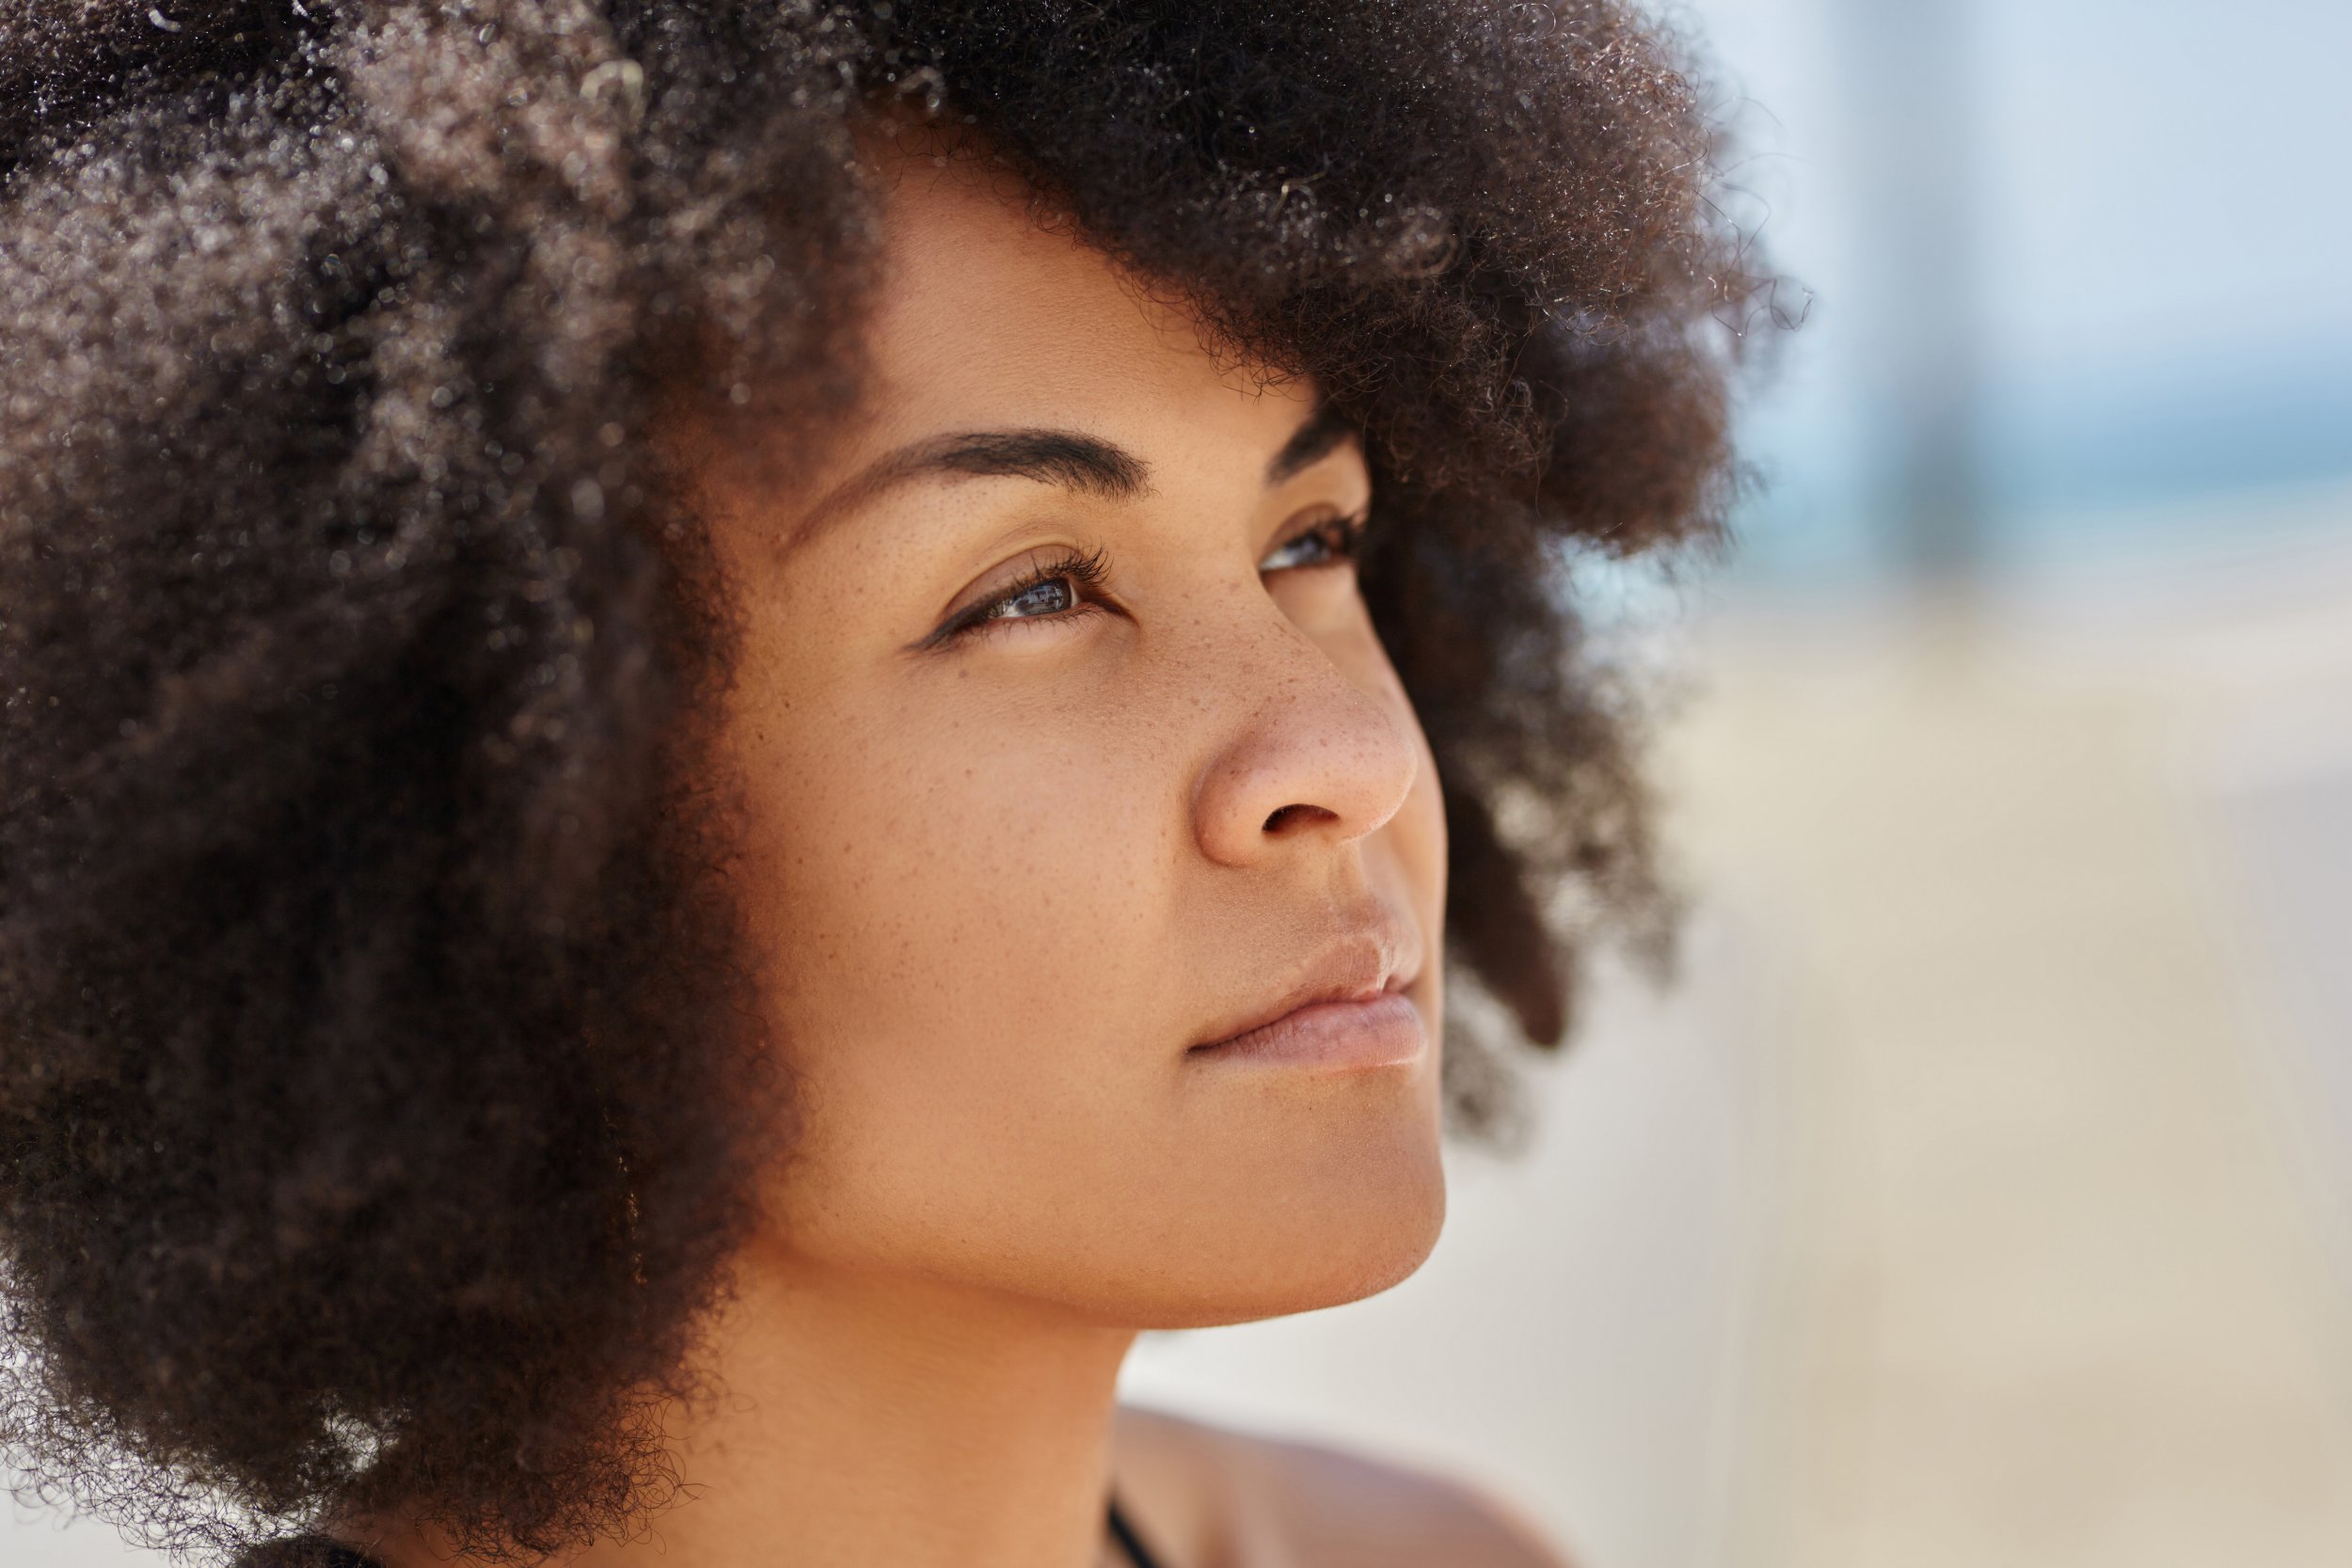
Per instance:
x=1294, y=815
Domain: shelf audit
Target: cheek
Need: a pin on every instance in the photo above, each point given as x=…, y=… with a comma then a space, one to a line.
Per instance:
x=1416, y=842
x=1407, y=863
x=960, y=919
x=1407, y=857
x=1417, y=836
x=947, y=869
x=988, y=943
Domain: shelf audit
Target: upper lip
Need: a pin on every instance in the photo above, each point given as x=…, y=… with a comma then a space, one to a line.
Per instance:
x=1374, y=956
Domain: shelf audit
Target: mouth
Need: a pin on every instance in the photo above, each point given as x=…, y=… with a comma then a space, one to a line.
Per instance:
x=1350, y=1010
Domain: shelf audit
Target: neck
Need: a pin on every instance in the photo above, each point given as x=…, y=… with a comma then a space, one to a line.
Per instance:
x=863, y=1419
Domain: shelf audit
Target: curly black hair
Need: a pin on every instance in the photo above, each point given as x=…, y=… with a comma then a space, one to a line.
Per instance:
x=381, y=1080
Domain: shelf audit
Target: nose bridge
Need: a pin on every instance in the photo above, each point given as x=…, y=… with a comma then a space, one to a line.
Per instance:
x=1303, y=748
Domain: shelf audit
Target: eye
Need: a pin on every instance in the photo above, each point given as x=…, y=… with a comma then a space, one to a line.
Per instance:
x=1050, y=598
x=1328, y=543
x=1057, y=588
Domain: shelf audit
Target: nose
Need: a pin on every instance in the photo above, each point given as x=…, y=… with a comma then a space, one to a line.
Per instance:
x=1316, y=756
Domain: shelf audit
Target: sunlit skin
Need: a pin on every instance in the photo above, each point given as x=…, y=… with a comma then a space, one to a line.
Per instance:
x=1008, y=876
x=1068, y=752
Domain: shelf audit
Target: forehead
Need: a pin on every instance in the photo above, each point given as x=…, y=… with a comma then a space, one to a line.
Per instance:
x=989, y=315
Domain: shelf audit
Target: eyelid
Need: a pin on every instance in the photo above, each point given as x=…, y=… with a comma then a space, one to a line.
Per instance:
x=1086, y=569
x=1352, y=526
x=1047, y=564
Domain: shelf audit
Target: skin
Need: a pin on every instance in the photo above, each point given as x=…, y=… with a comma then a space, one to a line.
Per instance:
x=1009, y=880
x=1006, y=882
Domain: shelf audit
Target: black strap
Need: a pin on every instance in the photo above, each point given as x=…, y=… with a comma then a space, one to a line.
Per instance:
x=317, y=1551
x=1129, y=1542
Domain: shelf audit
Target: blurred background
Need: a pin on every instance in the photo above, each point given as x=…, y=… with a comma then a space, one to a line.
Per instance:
x=1981, y=1191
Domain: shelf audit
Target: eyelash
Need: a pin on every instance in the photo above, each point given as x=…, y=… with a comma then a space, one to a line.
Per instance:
x=1086, y=573
x=1347, y=545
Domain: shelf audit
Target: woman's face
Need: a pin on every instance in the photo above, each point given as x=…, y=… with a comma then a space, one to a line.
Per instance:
x=1070, y=753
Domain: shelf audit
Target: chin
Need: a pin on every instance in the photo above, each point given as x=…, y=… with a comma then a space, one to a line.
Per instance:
x=1298, y=1235
x=1341, y=1263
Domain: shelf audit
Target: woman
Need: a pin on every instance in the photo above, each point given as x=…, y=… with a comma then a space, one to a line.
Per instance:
x=732, y=729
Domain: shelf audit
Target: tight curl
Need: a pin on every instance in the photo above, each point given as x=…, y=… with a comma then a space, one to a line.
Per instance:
x=382, y=1086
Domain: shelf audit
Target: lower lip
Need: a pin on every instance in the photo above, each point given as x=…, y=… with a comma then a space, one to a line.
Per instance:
x=1378, y=1031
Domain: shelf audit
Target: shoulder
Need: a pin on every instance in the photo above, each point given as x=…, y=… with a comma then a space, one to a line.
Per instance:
x=1203, y=1498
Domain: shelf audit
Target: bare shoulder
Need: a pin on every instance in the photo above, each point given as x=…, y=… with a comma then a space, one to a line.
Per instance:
x=1204, y=1498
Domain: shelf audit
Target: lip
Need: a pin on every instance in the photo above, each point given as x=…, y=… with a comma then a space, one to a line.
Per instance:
x=1376, y=1031
x=1350, y=1010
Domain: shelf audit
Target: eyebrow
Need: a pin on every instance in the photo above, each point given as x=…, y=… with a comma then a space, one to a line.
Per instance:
x=1313, y=441
x=1068, y=459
